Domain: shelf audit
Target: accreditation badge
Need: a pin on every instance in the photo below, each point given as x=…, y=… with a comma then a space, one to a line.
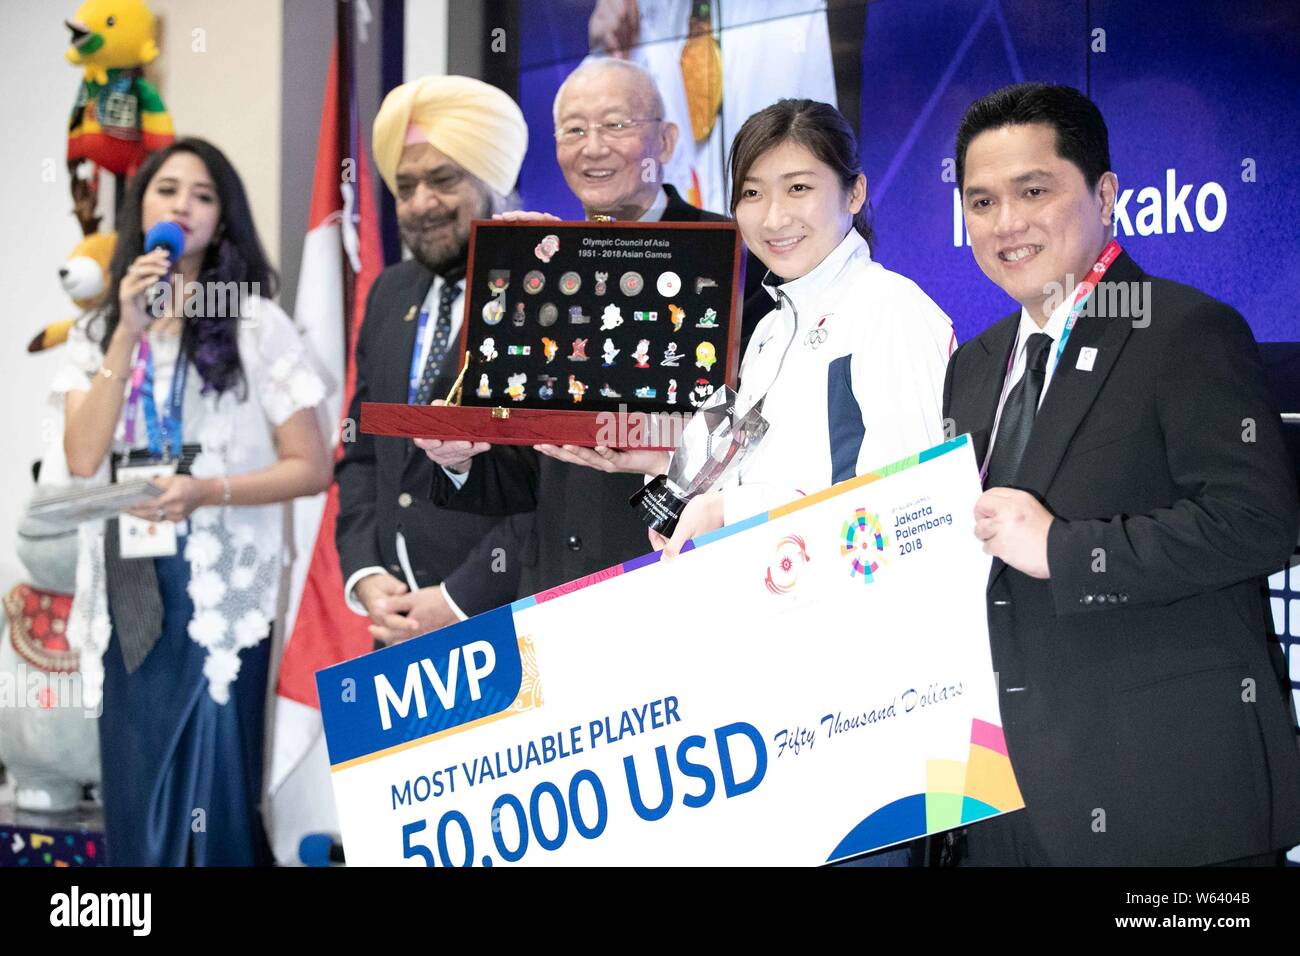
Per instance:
x=140, y=538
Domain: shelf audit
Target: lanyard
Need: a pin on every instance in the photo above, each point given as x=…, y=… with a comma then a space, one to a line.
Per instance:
x=1083, y=291
x=165, y=433
x=417, y=367
x=1081, y=295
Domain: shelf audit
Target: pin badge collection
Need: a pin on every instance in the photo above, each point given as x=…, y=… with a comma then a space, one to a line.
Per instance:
x=630, y=283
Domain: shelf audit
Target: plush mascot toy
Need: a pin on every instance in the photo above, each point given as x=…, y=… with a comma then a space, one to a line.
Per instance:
x=47, y=744
x=119, y=118
x=49, y=741
x=85, y=279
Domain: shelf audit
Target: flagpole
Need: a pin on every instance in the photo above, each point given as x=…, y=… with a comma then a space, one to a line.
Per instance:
x=344, y=105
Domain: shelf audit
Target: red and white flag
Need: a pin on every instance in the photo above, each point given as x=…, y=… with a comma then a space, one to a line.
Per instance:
x=341, y=257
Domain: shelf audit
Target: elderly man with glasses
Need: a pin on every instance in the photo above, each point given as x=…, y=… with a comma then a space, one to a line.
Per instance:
x=612, y=143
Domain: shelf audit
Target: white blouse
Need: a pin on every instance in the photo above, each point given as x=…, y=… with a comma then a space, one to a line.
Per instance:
x=237, y=554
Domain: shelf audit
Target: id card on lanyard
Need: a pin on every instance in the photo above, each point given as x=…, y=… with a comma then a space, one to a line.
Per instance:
x=141, y=538
x=1082, y=292
x=417, y=358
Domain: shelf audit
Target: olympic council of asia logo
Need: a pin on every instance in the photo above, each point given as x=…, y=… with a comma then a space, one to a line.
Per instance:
x=791, y=556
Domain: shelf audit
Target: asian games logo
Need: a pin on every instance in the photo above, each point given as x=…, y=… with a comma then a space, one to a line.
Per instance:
x=783, y=573
x=861, y=537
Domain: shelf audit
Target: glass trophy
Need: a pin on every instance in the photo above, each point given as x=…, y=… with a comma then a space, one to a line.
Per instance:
x=712, y=445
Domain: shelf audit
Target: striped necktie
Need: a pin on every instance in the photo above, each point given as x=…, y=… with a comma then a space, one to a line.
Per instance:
x=441, y=342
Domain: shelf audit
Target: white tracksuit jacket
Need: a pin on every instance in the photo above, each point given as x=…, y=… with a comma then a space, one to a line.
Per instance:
x=852, y=362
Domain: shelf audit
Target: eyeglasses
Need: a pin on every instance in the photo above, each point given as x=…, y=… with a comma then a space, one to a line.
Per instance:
x=614, y=129
x=444, y=183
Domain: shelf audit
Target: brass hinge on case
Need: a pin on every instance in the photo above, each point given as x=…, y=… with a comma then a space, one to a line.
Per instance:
x=501, y=413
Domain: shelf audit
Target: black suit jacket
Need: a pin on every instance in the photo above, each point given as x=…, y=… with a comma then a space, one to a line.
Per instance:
x=384, y=481
x=1142, y=698
x=582, y=520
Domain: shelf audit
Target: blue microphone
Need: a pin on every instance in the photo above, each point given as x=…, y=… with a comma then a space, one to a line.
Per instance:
x=165, y=235
x=319, y=849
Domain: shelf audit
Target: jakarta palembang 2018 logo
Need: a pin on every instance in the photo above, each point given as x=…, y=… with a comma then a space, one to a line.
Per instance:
x=861, y=537
x=783, y=573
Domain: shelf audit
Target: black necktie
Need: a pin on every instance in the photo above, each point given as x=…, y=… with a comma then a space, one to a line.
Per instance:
x=1018, y=414
x=441, y=342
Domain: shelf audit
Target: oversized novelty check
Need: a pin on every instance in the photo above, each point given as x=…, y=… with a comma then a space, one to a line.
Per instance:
x=801, y=687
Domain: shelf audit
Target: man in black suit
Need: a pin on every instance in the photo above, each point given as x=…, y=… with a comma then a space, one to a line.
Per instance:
x=611, y=143
x=450, y=149
x=1138, y=491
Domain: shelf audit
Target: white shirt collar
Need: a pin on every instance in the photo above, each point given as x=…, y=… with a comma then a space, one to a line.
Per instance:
x=656, y=210
x=808, y=286
x=1055, y=326
x=435, y=289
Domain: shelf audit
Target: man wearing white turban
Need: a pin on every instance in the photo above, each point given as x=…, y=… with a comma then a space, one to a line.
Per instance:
x=449, y=148
x=461, y=138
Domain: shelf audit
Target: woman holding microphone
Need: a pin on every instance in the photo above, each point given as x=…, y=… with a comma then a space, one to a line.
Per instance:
x=208, y=390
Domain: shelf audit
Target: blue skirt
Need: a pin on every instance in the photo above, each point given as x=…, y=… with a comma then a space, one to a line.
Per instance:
x=182, y=774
